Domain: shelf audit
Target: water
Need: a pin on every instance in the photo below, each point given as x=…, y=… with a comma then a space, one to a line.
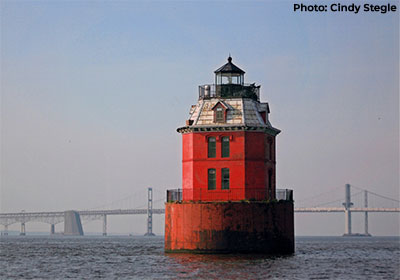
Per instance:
x=143, y=258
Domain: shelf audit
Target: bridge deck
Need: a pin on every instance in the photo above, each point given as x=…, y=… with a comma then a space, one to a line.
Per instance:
x=57, y=217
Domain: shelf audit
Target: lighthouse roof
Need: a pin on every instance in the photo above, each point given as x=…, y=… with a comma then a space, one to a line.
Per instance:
x=229, y=68
x=241, y=113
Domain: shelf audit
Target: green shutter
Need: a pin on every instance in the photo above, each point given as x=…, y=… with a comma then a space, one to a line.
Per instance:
x=212, y=147
x=225, y=178
x=212, y=179
x=225, y=147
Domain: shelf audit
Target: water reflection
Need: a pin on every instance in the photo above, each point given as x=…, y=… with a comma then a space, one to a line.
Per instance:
x=232, y=266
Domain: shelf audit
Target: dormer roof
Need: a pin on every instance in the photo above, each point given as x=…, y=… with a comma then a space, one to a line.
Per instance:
x=222, y=103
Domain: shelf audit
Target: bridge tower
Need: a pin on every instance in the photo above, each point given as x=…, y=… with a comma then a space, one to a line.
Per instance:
x=104, y=225
x=229, y=156
x=366, y=214
x=149, y=212
x=347, y=212
x=22, y=232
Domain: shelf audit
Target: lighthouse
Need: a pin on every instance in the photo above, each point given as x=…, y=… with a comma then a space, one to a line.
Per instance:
x=229, y=202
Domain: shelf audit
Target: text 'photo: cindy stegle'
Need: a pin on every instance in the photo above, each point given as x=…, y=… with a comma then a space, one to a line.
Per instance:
x=345, y=8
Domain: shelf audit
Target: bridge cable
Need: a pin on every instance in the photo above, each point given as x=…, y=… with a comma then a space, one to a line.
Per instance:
x=341, y=199
x=318, y=195
x=382, y=196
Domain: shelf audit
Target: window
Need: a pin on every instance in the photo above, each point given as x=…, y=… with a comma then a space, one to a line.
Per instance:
x=212, y=147
x=220, y=109
x=269, y=149
x=270, y=184
x=219, y=115
x=225, y=178
x=211, y=179
x=225, y=147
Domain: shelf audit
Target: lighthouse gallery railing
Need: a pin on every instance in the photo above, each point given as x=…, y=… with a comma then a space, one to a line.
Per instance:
x=280, y=194
x=229, y=90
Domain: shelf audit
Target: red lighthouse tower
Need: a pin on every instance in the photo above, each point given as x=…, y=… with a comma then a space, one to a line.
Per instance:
x=228, y=142
x=228, y=199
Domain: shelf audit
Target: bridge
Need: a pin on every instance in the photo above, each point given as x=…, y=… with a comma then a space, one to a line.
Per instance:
x=54, y=218
x=339, y=209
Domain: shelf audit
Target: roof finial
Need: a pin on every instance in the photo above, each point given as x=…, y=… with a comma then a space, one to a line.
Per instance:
x=229, y=58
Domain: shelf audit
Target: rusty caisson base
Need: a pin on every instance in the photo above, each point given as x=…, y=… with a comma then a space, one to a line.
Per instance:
x=229, y=227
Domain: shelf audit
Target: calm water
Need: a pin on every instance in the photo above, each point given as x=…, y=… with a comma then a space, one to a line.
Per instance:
x=143, y=258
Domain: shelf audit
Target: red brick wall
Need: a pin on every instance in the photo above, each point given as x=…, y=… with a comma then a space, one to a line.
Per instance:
x=247, y=163
x=195, y=164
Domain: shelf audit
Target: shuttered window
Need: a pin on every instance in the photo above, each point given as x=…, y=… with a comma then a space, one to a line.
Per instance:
x=212, y=179
x=225, y=178
x=212, y=147
x=225, y=147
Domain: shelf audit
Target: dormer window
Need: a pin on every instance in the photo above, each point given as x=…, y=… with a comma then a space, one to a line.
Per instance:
x=220, y=112
x=219, y=115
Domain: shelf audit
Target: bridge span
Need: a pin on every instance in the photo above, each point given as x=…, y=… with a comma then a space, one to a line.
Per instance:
x=57, y=217
x=342, y=209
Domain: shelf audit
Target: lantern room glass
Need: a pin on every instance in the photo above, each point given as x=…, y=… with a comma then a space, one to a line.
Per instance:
x=229, y=79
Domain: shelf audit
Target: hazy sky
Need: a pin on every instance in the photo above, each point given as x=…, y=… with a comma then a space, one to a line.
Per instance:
x=92, y=93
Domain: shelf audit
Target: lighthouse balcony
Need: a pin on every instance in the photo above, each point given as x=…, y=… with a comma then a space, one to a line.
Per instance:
x=229, y=90
x=284, y=194
x=233, y=194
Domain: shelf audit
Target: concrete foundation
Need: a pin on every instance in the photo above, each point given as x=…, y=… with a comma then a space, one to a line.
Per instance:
x=72, y=223
x=230, y=227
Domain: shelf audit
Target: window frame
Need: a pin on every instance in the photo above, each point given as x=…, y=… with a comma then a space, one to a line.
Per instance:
x=225, y=147
x=212, y=149
x=219, y=114
x=225, y=178
x=211, y=182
